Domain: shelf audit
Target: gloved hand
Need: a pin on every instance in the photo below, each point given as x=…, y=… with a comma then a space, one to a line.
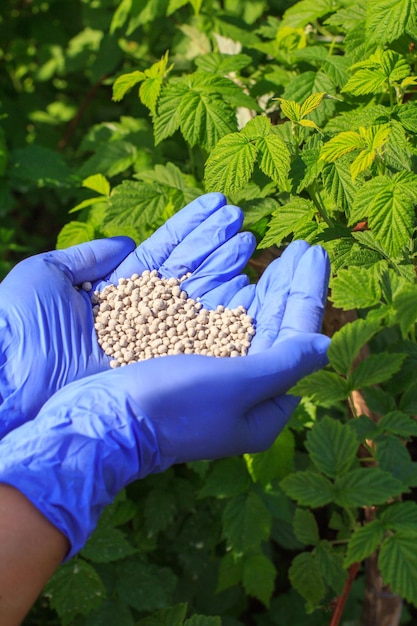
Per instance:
x=47, y=337
x=96, y=435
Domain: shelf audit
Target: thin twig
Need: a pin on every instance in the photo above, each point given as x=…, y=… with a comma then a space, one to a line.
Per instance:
x=341, y=600
x=76, y=119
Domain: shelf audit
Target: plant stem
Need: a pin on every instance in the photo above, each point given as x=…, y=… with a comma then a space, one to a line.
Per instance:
x=319, y=204
x=341, y=601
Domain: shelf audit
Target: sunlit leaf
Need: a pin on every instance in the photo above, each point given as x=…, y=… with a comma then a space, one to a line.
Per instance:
x=230, y=164
x=125, y=82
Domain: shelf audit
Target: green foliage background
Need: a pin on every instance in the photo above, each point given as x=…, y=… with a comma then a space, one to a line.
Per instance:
x=114, y=115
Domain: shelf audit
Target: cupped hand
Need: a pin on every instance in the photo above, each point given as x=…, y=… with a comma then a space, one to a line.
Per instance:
x=47, y=336
x=96, y=435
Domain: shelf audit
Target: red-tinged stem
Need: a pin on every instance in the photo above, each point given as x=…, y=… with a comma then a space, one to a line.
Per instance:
x=341, y=600
x=75, y=121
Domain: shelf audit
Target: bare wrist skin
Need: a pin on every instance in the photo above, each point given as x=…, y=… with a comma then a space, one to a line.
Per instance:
x=31, y=549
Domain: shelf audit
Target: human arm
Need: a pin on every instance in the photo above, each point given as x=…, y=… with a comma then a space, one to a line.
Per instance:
x=31, y=548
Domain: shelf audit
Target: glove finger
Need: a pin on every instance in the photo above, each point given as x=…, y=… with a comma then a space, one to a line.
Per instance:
x=307, y=299
x=92, y=260
x=244, y=297
x=266, y=421
x=222, y=293
x=153, y=252
x=268, y=306
x=207, y=240
x=223, y=264
x=274, y=371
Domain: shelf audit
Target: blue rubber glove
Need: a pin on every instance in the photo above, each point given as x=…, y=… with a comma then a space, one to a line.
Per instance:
x=97, y=435
x=47, y=337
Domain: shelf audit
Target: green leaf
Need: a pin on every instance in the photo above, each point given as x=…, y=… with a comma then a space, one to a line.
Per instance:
x=246, y=522
x=306, y=11
x=205, y=118
x=258, y=578
x=174, y=5
x=41, y=166
x=364, y=542
x=366, y=81
x=306, y=168
x=275, y=463
x=98, y=183
x=150, y=88
x=75, y=588
x=172, y=616
x=330, y=563
x=347, y=342
x=159, y=509
x=308, y=488
x=311, y=103
x=348, y=17
x=230, y=164
x=389, y=19
x=169, y=175
x=398, y=565
x=202, y=620
x=305, y=527
x=143, y=585
x=107, y=544
x=125, y=82
x=322, y=387
x=230, y=571
x=332, y=447
x=340, y=145
x=407, y=115
x=120, y=15
x=257, y=128
x=405, y=306
x=142, y=205
x=397, y=151
x=303, y=85
x=290, y=109
x=288, y=219
x=355, y=288
x=167, y=118
x=337, y=181
x=389, y=205
x=392, y=456
x=227, y=478
x=74, y=233
x=111, y=159
x=375, y=369
x=306, y=578
x=222, y=64
x=400, y=516
x=364, y=427
x=275, y=159
x=366, y=487
x=89, y=202
x=335, y=66
x=110, y=611
x=398, y=423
